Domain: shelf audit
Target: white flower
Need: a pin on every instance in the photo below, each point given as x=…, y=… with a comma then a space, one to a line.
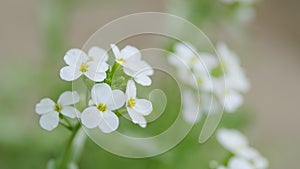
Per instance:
x=232, y=140
x=49, y=110
x=102, y=115
x=239, y=163
x=92, y=65
x=237, y=143
x=234, y=74
x=189, y=62
x=137, y=108
x=191, y=107
x=133, y=65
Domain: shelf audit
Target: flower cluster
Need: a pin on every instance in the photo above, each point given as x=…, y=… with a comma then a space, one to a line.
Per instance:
x=206, y=91
x=243, y=156
x=103, y=109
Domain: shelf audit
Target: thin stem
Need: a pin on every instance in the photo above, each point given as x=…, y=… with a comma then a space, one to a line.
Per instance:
x=66, y=154
x=110, y=73
x=66, y=126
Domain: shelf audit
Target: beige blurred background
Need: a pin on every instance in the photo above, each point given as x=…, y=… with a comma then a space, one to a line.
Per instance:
x=272, y=62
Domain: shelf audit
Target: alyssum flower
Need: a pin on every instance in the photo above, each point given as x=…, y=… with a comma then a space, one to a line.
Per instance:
x=50, y=111
x=93, y=65
x=101, y=114
x=137, y=108
x=133, y=65
x=237, y=143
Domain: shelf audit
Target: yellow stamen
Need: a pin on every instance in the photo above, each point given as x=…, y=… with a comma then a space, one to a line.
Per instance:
x=120, y=60
x=57, y=108
x=84, y=67
x=102, y=107
x=131, y=103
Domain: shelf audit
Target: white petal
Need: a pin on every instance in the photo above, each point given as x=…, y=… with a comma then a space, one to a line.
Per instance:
x=143, y=80
x=143, y=106
x=137, y=118
x=99, y=66
x=91, y=117
x=70, y=73
x=98, y=54
x=49, y=121
x=95, y=76
x=118, y=100
x=109, y=123
x=130, y=52
x=131, y=89
x=233, y=101
x=190, y=108
x=261, y=163
x=101, y=93
x=45, y=106
x=70, y=111
x=115, y=50
x=232, y=139
x=75, y=56
x=239, y=163
x=248, y=153
x=68, y=98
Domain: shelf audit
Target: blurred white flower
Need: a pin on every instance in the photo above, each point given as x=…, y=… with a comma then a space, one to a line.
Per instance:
x=49, y=110
x=239, y=163
x=234, y=73
x=236, y=81
x=101, y=115
x=92, y=65
x=133, y=65
x=137, y=108
x=191, y=110
x=237, y=143
x=232, y=140
x=193, y=67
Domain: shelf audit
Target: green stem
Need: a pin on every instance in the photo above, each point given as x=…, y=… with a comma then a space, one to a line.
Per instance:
x=110, y=73
x=66, y=126
x=66, y=153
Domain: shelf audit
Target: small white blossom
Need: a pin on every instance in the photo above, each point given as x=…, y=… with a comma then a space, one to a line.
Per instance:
x=93, y=65
x=234, y=74
x=101, y=115
x=133, y=65
x=237, y=143
x=191, y=110
x=232, y=140
x=190, y=62
x=137, y=108
x=49, y=110
x=236, y=82
x=239, y=163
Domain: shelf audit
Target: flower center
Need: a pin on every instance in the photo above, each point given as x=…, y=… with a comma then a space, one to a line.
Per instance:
x=193, y=60
x=200, y=81
x=84, y=67
x=131, y=102
x=57, y=108
x=120, y=60
x=102, y=107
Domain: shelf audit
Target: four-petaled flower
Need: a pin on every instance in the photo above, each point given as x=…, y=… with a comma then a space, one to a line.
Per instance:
x=133, y=65
x=50, y=111
x=92, y=65
x=101, y=115
x=237, y=143
x=137, y=108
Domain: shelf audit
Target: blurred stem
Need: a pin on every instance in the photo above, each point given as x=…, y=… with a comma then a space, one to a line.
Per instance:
x=110, y=73
x=66, y=154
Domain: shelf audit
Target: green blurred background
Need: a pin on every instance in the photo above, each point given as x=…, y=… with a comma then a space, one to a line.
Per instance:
x=34, y=35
